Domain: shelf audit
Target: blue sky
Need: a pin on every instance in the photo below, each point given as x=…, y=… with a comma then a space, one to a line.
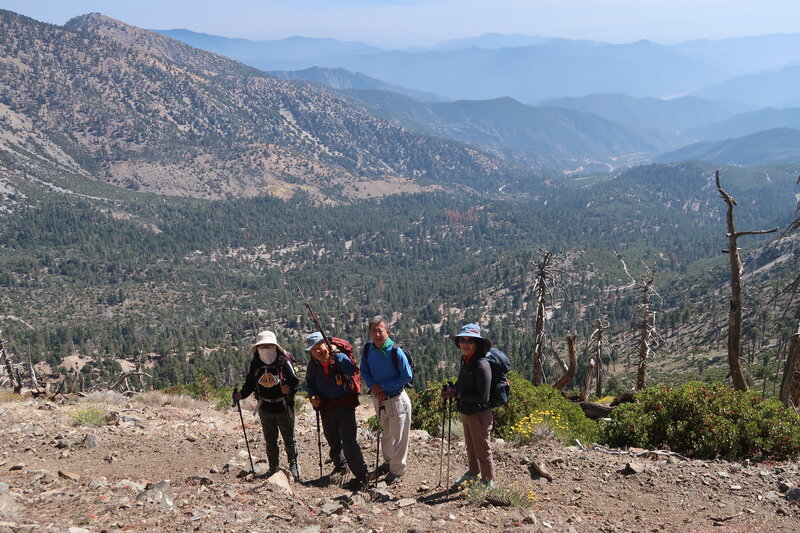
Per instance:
x=401, y=23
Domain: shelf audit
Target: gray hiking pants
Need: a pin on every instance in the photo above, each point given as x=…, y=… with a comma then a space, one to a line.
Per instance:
x=283, y=422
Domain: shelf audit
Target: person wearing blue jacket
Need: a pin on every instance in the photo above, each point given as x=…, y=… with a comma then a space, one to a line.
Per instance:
x=386, y=371
x=329, y=392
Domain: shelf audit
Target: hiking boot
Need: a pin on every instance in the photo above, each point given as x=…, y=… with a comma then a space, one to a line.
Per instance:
x=391, y=479
x=466, y=478
x=383, y=469
x=487, y=484
x=339, y=470
x=357, y=484
x=295, y=472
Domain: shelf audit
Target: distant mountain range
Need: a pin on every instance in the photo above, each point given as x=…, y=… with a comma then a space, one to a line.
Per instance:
x=141, y=110
x=532, y=68
x=535, y=136
x=668, y=115
x=779, y=145
x=339, y=78
x=747, y=123
x=773, y=88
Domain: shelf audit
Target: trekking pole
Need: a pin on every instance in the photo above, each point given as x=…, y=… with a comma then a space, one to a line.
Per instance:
x=315, y=319
x=441, y=434
x=319, y=445
x=449, y=426
x=239, y=407
x=378, y=440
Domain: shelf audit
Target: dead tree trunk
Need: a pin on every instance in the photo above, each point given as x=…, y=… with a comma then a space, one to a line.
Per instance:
x=16, y=383
x=790, y=386
x=542, y=290
x=646, y=328
x=587, y=379
x=573, y=364
x=735, y=313
x=600, y=338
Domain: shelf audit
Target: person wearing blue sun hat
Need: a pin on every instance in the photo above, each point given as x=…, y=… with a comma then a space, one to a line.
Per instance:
x=471, y=392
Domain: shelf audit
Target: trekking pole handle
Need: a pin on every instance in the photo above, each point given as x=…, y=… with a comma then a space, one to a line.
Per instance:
x=315, y=319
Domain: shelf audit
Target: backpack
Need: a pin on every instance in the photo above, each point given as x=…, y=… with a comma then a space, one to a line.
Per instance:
x=393, y=351
x=354, y=381
x=500, y=386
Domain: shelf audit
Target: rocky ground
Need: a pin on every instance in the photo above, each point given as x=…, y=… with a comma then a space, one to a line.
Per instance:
x=163, y=464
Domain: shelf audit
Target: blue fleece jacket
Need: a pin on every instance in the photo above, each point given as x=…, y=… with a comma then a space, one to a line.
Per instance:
x=324, y=386
x=377, y=367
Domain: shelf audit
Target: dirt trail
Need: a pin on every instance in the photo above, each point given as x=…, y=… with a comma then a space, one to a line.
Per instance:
x=56, y=481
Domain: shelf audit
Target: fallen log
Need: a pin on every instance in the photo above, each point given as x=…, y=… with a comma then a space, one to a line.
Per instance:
x=595, y=410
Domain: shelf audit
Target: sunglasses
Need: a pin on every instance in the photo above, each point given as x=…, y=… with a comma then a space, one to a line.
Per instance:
x=466, y=340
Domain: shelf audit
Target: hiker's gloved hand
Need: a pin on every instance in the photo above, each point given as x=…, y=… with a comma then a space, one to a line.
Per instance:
x=315, y=402
x=236, y=397
x=285, y=389
x=448, y=391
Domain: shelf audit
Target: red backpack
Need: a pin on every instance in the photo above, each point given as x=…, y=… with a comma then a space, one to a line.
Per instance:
x=354, y=381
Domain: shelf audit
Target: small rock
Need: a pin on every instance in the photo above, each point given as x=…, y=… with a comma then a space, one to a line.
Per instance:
x=785, y=485
x=72, y=476
x=632, y=468
x=213, y=470
x=538, y=470
x=736, y=487
x=158, y=493
x=530, y=518
x=723, y=474
x=95, y=484
x=279, y=479
x=78, y=530
x=311, y=529
x=331, y=508
x=423, y=488
x=64, y=455
x=89, y=441
x=18, y=466
x=4, y=487
x=191, y=437
x=570, y=529
x=793, y=495
x=405, y=502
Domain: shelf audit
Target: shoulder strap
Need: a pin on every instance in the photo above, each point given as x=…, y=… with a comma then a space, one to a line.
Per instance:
x=395, y=357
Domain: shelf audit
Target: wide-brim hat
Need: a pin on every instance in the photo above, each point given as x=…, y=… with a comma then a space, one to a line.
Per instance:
x=265, y=337
x=473, y=331
x=313, y=339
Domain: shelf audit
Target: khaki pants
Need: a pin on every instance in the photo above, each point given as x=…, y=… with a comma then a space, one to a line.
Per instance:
x=395, y=427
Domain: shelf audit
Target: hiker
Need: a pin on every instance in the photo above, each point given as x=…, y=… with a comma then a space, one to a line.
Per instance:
x=386, y=371
x=329, y=389
x=274, y=382
x=471, y=392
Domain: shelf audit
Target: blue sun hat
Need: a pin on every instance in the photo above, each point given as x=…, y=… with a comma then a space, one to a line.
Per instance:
x=313, y=339
x=474, y=331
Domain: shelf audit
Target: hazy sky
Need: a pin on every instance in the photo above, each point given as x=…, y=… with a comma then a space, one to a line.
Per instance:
x=403, y=23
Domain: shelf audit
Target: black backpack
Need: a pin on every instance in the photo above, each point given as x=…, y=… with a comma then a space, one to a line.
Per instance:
x=500, y=387
x=393, y=351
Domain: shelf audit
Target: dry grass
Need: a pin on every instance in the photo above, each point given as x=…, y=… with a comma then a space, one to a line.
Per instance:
x=161, y=399
x=106, y=397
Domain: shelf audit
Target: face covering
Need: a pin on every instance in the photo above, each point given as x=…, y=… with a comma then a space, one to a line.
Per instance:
x=268, y=355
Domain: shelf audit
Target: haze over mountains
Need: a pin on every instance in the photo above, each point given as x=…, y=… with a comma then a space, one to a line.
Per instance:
x=653, y=92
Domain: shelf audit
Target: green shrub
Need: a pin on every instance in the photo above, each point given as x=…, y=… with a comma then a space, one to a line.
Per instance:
x=427, y=409
x=529, y=406
x=90, y=416
x=706, y=420
x=524, y=400
x=203, y=389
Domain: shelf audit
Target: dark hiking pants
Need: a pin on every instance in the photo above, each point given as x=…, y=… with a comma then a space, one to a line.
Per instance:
x=283, y=422
x=339, y=427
